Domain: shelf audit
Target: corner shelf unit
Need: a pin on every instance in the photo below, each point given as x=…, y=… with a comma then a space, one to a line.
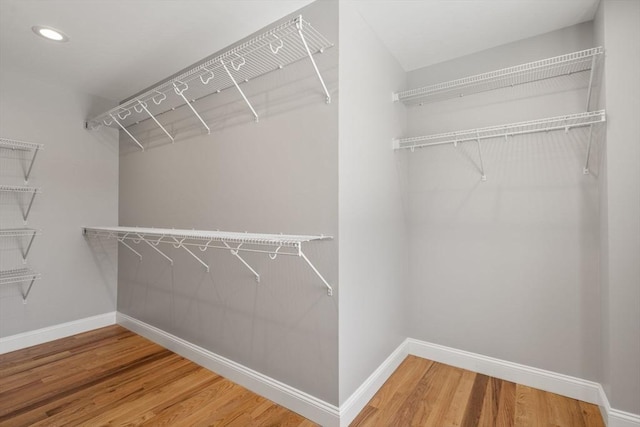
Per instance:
x=575, y=62
x=13, y=144
x=21, y=275
x=285, y=44
x=22, y=190
x=20, y=233
x=234, y=242
x=584, y=60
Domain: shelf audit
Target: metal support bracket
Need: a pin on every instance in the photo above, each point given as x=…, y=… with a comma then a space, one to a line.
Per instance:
x=234, y=252
x=585, y=169
x=255, y=115
x=153, y=246
x=25, y=253
x=181, y=245
x=315, y=270
x=315, y=67
x=483, y=177
x=25, y=215
x=128, y=133
x=121, y=240
x=180, y=92
x=144, y=107
x=28, y=172
x=26, y=294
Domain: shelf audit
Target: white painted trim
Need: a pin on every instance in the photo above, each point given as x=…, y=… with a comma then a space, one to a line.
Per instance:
x=298, y=401
x=615, y=417
x=565, y=385
x=50, y=333
x=350, y=409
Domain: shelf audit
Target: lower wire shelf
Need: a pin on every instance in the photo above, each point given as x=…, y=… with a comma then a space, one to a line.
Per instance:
x=235, y=242
x=20, y=275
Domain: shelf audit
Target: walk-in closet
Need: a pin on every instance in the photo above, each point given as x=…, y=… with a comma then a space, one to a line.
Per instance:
x=329, y=212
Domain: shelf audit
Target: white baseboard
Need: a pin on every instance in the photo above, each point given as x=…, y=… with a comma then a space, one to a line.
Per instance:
x=615, y=417
x=50, y=333
x=565, y=385
x=350, y=409
x=298, y=401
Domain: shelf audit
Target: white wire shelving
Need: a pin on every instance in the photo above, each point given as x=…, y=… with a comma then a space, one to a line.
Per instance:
x=20, y=275
x=576, y=62
x=13, y=144
x=28, y=233
x=235, y=242
x=285, y=44
x=503, y=131
x=18, y=189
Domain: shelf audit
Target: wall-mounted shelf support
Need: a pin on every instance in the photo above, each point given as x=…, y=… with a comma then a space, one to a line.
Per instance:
x=292, y=41
x=271, y=244
x=13, y=144
x=234, y=252
x=255, y=115
x=143, y=106
x=153, y=246
x=22, y=275
x=585, y=170
x=483, y=177
x=29, y=233
x=22, y=190
x=503, y=131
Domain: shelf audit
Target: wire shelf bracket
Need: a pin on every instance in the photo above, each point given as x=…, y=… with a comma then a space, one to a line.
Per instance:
x=272, y=50
x=29, y=233
x=22, y=190
x=22, y=275
x=565, y=123
x=13, y=144
x=557, y=66
x=270, y=244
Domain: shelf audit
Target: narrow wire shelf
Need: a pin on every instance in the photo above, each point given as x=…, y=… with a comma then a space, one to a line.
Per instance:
x=285, y=44
x=19, y=232
x=520, y=128
x=520, y=74
x=14, y=144
x=19, y=189
x=20, y=275
x=271, y=244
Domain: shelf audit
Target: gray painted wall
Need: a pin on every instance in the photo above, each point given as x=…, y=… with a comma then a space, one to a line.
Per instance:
x=373, y=233
x=617, y=26
x=276, y=176
x=508, y=267
x=78, y=174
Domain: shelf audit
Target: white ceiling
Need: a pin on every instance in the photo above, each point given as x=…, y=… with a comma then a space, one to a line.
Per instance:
x=119, y=47
x=426, y=32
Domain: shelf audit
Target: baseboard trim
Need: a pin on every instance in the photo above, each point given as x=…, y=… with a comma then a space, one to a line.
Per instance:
x=565, y=385
x=615, y=417
x=51, y=333
x=350, y=409
x=296, y=400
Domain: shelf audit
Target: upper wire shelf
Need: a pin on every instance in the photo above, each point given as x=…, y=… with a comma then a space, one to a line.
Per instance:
x=271, y=244
x=19, y=275
x=532, y=126
x=575, y=62
x=283, y=45
x=24, y=190
x=14, y=144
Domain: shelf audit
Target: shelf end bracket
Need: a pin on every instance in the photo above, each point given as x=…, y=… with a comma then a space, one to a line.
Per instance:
x=315, y=270
x=313, y=62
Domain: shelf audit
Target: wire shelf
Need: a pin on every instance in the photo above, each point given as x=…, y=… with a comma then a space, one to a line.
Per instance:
x=20, y=275
x=14, y=144
x=19, y=232
x=525, y=73
x=520, y=128
x=271, y=244
x=285, y=44
x=19, y=189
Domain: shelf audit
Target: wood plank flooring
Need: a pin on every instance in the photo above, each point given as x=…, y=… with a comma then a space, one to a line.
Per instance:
x=425, y=393
x=112, y=376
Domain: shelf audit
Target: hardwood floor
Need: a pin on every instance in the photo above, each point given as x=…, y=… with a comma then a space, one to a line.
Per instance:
x=425, y=393
x=112, y=376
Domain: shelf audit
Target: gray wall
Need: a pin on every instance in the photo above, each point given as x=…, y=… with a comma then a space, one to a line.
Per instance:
x=617, y=26
x=373, y=235
x=276, y=176
x=78, y=174
x=508, y=267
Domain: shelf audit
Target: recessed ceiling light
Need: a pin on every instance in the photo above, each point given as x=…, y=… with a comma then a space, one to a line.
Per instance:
x=50, y=33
